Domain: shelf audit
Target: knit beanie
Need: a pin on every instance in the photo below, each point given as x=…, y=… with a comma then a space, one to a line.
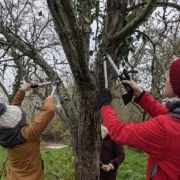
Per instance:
x=174, y=75
x=11, y=116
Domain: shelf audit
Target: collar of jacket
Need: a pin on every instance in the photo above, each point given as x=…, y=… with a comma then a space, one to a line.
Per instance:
x=174, y=107
x=10, y=137
x=104, y=131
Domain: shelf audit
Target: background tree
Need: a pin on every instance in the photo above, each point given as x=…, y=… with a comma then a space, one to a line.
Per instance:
x=56, y=37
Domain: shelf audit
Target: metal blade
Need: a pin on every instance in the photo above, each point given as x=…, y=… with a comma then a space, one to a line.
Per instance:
x=113, y=65
x=105, y=73
x=44, y=84
x=53, y=90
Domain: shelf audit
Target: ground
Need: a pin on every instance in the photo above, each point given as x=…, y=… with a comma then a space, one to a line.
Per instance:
x=59, y=163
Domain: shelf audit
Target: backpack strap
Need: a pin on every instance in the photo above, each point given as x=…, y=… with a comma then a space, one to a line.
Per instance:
x=153, y=171
x=155, y=167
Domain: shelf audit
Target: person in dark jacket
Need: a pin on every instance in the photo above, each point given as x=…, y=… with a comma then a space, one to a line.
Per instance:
x=111, y=157
x=159, y=136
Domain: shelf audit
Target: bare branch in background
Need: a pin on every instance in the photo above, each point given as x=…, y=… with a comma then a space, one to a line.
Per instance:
x=157, y=4
x=134, y=23
x=5, y=91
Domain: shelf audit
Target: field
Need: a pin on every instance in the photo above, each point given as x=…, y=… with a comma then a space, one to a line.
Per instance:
x=59, y=165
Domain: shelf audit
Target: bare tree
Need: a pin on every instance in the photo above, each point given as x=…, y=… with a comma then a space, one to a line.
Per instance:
x=36, y=46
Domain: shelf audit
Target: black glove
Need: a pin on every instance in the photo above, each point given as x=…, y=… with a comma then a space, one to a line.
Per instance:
x=104, y=98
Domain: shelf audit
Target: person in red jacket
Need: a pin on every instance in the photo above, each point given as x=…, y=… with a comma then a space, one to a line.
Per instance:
x=159, y=137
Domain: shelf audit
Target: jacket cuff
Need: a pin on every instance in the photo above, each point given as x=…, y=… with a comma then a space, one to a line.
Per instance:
x=21, y=92
x=105, y=104
x=137, y=99
x=49, y=104
x=111, y=165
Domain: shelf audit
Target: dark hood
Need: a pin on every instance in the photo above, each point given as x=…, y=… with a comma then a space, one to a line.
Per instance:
x=10, y=137
x=174, y=107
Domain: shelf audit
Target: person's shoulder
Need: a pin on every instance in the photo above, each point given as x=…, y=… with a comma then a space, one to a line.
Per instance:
x=165, y=121
x=166, y=118
x=156, y=122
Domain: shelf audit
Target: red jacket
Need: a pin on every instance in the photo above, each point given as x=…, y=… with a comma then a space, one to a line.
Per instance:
x=159, y=137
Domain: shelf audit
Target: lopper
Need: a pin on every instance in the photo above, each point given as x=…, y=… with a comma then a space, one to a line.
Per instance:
x=54, y=86
x=124, y=75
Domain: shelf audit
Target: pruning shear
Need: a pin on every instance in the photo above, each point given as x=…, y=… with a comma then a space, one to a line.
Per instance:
x=54, y=86
x=124, y=75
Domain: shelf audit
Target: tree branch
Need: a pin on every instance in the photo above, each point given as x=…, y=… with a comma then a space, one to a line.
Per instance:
x=70, y=35
x=5, y=91
x=134, y=23
x=169, y=4
x=85, y=24
x=26, y=49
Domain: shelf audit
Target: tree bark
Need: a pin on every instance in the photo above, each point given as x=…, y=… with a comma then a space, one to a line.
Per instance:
x=86, y=141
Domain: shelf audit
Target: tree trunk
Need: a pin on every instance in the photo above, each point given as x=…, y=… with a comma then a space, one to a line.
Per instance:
x=86, y=140
x=75, y=37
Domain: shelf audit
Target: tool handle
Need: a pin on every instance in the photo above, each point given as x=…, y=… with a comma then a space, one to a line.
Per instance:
x=127, y=97
x=125, y=76
x=34, y=86
x=127, y=87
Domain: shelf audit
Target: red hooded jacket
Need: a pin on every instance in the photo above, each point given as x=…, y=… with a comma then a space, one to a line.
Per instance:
x=159, y=137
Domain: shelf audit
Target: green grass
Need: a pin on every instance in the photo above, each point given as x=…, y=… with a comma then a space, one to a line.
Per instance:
x=3, y=163
x=134, y=166
x=2, y=155
x=59, y=165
